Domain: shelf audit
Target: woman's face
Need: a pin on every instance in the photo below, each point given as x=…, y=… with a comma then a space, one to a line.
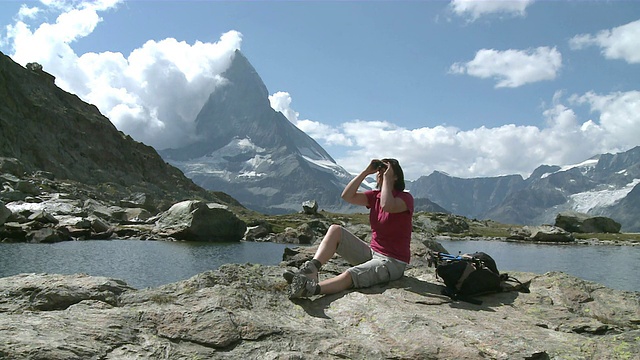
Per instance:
x=380, y=173
x=379, y=178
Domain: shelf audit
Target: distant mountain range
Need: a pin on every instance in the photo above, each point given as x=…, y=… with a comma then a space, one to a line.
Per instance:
x=607, y=185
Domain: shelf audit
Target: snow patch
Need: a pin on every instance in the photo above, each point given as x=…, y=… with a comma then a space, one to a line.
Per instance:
x=329, y=165
x=54, y=206
x=215, y=164
x=251, y=174
x=584, y=166
x=588, y=200
x=325, y=164
x=309, y=153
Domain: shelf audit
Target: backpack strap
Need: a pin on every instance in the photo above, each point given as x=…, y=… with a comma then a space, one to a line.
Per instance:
x=506, y=280
x=471, y=267
x=447, y=291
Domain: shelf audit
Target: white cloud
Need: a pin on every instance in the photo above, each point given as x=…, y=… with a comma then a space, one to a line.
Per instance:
x=619, y=116
x=28, y=12
x=512, y=68
x=153, y=94
x=281, y=101
x=474, y=9
x=621, y=42
x=503, y=150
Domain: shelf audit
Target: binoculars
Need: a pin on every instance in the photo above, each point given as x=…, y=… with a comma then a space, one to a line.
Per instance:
x=377, y=164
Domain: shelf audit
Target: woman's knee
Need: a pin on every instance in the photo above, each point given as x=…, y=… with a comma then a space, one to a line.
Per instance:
x=335, y=232
x=334, y=228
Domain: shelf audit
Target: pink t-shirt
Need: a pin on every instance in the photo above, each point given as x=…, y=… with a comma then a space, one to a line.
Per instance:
x=391, y=232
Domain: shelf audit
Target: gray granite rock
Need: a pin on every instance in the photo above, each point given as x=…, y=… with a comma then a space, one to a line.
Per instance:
x=242, y=311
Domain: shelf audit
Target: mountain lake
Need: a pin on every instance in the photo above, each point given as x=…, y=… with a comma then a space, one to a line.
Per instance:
x=153, y=263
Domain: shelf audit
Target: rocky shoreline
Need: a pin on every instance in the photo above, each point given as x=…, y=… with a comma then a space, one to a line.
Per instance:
x=39, y=208
x=590, y=241
x=243, y=312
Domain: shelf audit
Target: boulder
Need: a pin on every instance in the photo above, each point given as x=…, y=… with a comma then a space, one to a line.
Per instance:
x=256, y=232
x=13, y=232
x=199, y=221
x=8, y=194
x=136, y=215
x=12, y=166
x=44, y=217
x=98, y=225
x=585, y=223
x=37, y=68
x=28, y=187
x=42, y=292
x=55, y=205
x=103, y=211
x=306, y=234
x=139, y=200
x=242, y=312
x=4, y=213
x=310, y=207
x=543, y=233
x=44, y=235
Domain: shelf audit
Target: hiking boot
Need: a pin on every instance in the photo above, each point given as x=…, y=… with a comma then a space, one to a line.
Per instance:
x=307, y=269
x=302, y=287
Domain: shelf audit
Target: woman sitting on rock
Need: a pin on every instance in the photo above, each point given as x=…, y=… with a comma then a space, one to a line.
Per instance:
x=385, y=259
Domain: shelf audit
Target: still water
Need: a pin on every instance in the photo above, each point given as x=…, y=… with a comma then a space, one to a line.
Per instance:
x=153, y=263
x=139, y=263
x=617, y=267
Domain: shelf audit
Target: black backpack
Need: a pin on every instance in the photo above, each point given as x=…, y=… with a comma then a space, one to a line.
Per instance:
x=469, y=275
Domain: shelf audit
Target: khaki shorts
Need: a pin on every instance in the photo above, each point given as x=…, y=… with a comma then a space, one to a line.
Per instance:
x=370, y=268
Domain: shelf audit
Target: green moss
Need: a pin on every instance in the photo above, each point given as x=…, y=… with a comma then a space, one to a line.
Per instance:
x=623, y=351
x=163, y=298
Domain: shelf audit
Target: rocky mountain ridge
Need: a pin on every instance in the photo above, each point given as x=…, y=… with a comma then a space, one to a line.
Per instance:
x=54, y=132
x=606, y=185
x=254, y=153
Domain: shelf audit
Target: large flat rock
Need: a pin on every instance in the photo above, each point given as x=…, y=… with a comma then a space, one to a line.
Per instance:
x=242, y=311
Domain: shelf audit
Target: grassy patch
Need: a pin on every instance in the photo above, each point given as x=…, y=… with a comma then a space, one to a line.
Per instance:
x=477, y=228
x=163, y=298
x=280, y=222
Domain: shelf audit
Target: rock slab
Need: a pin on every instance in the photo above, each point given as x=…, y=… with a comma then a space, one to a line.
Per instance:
x=242, y=311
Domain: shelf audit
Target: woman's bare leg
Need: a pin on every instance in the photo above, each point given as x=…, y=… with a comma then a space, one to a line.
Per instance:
x=329, y=244
x=336, y=284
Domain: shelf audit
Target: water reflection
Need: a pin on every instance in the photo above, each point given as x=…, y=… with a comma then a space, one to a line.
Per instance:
x=615, y=266
x=139, y=263
x=153, y=263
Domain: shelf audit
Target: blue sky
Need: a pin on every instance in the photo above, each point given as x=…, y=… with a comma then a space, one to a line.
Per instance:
x=471, y=88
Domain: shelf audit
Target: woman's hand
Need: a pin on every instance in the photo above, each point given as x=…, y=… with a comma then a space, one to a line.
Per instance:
x=389, y=174
x=374, y=166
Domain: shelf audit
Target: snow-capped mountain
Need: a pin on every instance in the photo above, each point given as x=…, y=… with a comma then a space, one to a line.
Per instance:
x=607, y=184
x=254, y=153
